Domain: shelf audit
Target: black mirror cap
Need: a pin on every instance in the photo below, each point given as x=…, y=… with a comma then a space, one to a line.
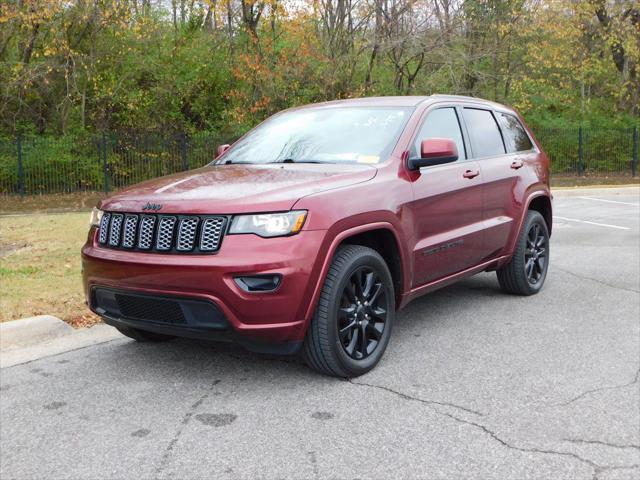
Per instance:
x=418, y=163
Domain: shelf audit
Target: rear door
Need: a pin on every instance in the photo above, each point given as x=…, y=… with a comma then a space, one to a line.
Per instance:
x=503, y=173
x=447, y=205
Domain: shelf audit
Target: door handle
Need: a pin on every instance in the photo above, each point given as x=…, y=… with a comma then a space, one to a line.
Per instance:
x=471, y=173
x=516, y=164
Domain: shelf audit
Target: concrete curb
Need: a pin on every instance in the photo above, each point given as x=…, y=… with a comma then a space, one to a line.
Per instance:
x=587, y=191
x=29, y=339
x=32, y=330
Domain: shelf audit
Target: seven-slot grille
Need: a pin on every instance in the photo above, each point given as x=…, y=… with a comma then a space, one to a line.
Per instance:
x=162, y=233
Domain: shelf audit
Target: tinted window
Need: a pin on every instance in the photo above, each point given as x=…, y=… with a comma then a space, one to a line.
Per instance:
x=514, y=134
x=323, y=135
x=441, y=123
x=483, y=132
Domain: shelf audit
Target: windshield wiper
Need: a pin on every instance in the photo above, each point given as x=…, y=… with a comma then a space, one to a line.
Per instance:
x=291, y=160
x=286, y=160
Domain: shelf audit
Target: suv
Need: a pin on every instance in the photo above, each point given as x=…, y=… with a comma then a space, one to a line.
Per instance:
x=313, y=229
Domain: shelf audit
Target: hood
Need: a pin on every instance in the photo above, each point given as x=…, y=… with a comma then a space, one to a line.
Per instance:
x=227, y=189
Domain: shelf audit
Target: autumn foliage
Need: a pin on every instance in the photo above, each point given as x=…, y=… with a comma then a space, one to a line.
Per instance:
x=184, y=66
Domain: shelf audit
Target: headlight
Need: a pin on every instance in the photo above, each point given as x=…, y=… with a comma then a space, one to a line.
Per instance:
x=96, y=216
x=269, y=224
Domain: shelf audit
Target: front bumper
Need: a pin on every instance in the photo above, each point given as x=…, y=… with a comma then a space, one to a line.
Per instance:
x=277, y=317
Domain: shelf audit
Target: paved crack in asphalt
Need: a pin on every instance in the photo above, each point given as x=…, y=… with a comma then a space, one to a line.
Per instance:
x=314, y=464
x=601, y=389
x=417, y=399
x=599, y=442
x=597, y=469
x=185, y=421
x=584, y=277
x=604, y=469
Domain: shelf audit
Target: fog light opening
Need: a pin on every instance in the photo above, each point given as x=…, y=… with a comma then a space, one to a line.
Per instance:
x=259, y=283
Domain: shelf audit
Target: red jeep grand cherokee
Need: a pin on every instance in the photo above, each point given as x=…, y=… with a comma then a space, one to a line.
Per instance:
x=313, y=229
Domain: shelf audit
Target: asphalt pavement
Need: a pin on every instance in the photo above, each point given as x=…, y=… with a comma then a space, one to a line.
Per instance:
x=474, y=384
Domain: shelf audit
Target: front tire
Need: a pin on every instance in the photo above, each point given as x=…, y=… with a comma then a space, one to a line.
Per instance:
x=527, y=270
x=142, y=335
x=352, y=324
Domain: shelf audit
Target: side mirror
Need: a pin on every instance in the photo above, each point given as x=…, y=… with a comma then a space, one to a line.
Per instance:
x=221, y=149
x=435, y=151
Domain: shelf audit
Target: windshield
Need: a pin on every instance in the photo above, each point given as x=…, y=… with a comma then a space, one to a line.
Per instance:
x=322, y=135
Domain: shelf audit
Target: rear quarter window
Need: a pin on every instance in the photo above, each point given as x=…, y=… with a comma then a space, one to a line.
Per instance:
x=515, y=135
x=484, y=133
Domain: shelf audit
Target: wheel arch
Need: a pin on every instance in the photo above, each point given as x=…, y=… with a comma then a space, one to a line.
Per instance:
x=542, y=204
x=383, y=241
x=540, y=201
x=367, y=235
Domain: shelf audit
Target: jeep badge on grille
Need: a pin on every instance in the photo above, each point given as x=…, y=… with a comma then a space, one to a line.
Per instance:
x=154, y=207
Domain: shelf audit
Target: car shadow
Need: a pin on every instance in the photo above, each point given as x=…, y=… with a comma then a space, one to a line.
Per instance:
x=436, y=306
x=200, y=359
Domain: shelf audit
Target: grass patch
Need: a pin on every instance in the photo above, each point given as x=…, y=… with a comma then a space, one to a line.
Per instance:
x=22, y=271
x=594, y=180
x=59, y=202
x=40, y=267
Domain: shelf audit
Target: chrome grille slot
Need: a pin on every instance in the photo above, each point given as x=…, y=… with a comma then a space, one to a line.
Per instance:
x=153, y=233
x=211, y=234
x=129, y=234
x=145, y=235
x=166, y=227
x=104, y=228
x=187, y=234
x=115, y=230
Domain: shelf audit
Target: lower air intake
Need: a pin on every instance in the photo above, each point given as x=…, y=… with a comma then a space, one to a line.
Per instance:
x=142, y=309
x=150, y=309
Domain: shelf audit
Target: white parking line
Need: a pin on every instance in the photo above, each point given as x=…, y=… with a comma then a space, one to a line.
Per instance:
x=591, y=223
x=610, y=201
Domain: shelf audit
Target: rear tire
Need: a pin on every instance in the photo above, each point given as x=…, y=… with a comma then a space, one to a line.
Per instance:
x=352, y=324
x=142, y=335
x=527, y=270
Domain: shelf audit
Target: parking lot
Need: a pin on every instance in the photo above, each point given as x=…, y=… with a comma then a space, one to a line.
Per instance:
x=475, y=384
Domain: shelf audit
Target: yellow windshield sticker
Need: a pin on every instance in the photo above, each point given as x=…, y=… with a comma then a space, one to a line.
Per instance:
x=368, y=159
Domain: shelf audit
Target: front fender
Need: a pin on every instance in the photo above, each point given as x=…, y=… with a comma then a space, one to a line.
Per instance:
x=336, y=235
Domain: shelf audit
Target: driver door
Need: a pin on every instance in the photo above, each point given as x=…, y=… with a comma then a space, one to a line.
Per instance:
x=447, y=205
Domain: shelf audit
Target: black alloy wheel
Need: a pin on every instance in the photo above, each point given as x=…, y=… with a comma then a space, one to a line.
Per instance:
x=362, y=314
x=527, y=270
x=535, y=254
x=353, y=321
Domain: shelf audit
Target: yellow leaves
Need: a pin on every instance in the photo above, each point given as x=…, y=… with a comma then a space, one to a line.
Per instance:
x=17, y=68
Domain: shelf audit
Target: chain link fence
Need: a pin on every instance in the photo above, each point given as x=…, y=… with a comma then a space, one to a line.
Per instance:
x=591, y=151
x=90, y=163
x=87, y=163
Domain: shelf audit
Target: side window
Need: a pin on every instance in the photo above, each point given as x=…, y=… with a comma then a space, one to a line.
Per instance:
x=484, y=133
x=514, y=134
x=441, y=123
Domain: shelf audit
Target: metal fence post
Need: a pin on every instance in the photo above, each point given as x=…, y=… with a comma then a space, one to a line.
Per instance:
x=580, y=152
x=20, y=166
x=634, y=162
x=105, y=165
x=183, y=152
